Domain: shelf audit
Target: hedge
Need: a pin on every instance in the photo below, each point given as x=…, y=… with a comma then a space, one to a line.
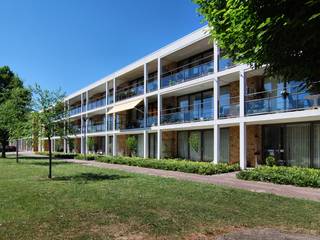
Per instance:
x=87, y=156
x=59, y=155
x=203, y=168
x=303, y=177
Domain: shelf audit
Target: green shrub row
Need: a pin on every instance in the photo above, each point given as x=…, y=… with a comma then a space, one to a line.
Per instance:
x=303, y=177
x=204, y=168
x=59, y=155
x=87, y=157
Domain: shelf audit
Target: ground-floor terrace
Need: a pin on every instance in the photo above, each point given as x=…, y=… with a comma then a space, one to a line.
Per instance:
x=291, y=144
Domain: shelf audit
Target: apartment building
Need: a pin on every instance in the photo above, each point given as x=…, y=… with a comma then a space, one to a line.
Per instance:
x=187, y=93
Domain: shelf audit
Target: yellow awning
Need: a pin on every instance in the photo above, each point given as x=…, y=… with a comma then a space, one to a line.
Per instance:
x=125, y=106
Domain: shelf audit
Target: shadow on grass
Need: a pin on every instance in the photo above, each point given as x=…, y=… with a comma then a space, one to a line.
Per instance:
x=89, y=177
x=28, y=157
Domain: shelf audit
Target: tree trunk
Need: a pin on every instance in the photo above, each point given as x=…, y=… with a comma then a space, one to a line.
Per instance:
x=17, y=151
x=50, y=158
x=3, y=151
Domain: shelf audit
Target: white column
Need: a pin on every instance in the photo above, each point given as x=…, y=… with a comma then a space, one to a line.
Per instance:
x=216, y=144
x=216, y=96
x=145, y=74
x=159, y=143
x=243, y=145
x=159, y=73
x=114, y=90
x=114, y=144
x=65, y=145
x=242, y=92
x=145, y=144
x=215, y=57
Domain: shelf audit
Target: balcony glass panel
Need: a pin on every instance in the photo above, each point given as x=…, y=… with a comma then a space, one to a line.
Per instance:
x=225, y=63
x=229, y=108
x=192, y=113
x=152, y=84
x=97, y=127
x=138, y=123
x=97, y=103
x=152, y=121
x=110, y=99
x=75, y=130
x=188, y=72
x=295, y=96
x=130, y=91
x=74, y=110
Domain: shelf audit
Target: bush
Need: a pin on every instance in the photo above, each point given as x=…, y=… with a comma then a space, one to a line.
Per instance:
x=64, y=155
x=88, y=157
x=59, y=155
x=270, y=161
x=204, y=168
x=303, y=177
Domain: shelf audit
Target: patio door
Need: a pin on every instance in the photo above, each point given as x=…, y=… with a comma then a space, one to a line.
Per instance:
x=298, y=145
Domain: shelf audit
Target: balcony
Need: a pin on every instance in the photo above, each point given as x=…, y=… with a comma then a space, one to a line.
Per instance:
x=96, y=127
x=152, y=121
x=230, y=108
x=152, y=84
x=127, y=125
x=130, y=91
x=97, y=103
x=191, y=113
x=75, y=110
x=293, y=98
x=188, y=72
x=225, y=63
x=110, y=99
x=75, y=130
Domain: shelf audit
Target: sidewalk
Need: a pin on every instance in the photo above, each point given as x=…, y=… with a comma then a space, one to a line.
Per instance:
x=228, y=179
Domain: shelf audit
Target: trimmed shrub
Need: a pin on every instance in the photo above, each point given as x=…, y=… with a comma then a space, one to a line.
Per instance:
x=203, y=168
x=64, y=155
x=88, y=157
x=303, y=177
x=270, y=161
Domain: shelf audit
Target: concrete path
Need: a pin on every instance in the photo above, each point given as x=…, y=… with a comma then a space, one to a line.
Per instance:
x=228, y=179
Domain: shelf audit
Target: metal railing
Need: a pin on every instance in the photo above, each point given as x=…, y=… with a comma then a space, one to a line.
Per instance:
x=188, y=72
x=152, y=84
x=75, y=110
x=191, y=113
x=136, y=124
x=292, y=98
x=225, y=63
x=152, y=121
x=96, y=127
x=129, y=91
x=97, y=103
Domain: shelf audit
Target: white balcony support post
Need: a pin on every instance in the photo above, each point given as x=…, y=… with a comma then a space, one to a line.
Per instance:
x=216, y=144
x=87, y=100
x=86, y=144
x=145, y=77
x=159, y=144
x=145, y=144
x=243, y=145
x=215, y=57
x=114, y=90
x=242, y=91
x=114, y=145
x=159, y=73
x=159, y=106
x=65, y=145
x=216, y=96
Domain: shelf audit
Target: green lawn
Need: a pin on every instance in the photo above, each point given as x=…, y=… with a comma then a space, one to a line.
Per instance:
x=91, y=203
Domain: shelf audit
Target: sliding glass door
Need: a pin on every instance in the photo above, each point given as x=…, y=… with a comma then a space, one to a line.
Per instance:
x=316, y=145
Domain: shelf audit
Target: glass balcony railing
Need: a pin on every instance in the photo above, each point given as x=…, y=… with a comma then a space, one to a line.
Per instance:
x=97, y=127
x=152, y=84
x=225, y=63
x=229, y=108
x=136, y=124
x=75, y=111
x=97, y=103
x=110, y=99
x=182, y=115
x=130, y=91
x=187, y=72
x=75, y=130
x=290, y=99
x=152, y=121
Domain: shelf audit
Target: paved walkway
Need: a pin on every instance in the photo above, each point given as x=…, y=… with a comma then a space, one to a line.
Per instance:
x=228, y=179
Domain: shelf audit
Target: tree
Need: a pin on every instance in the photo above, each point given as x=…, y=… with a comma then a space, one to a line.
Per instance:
x=132, y=145
x=282, y=34
x=14, y=107
x=50, y=112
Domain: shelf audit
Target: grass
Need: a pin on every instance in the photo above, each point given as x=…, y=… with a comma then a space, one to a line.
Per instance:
x=91, y=203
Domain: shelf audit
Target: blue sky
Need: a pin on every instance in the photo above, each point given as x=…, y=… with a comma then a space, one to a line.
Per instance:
x=71, y=43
